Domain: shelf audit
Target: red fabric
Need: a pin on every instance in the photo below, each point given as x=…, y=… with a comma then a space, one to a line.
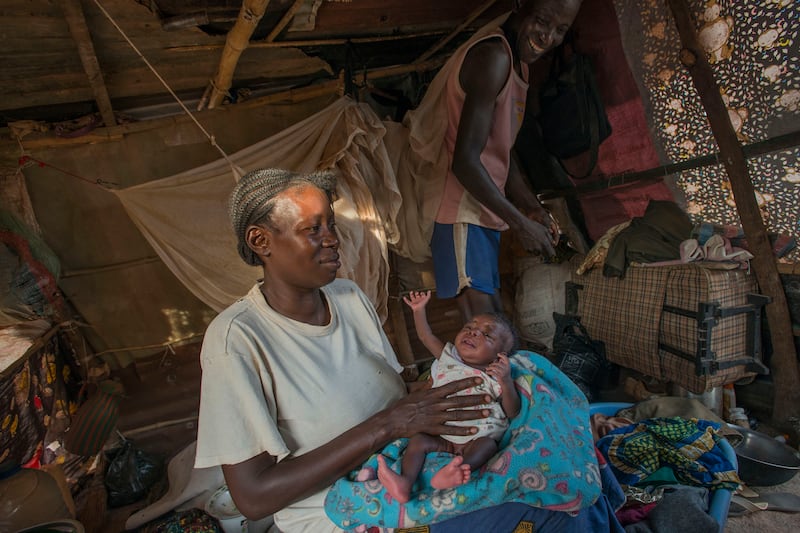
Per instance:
x=630, y=147
x=607, y=208
x=634, y=513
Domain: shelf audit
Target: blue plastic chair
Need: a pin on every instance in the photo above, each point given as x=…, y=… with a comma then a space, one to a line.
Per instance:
x=720, y=499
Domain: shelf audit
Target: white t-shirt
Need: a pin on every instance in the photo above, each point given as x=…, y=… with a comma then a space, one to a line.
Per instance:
x=272, y=384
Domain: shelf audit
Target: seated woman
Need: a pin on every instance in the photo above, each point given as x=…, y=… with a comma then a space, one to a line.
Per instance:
x=300, y=384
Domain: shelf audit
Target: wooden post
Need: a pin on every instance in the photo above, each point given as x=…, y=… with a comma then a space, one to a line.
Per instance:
x=785, y=373
x=447, y=38
x=286, y=19
x=73, y=13
x=310, y=42
x=9, y=148
x=237, y=40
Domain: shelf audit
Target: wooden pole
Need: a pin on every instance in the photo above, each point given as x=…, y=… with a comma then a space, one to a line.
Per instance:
x=287, y=17
x=10, y=147
x=237, y=40
x=756, y=149
x=447, y=38
x=73, y=13
x=310, y=42
x=785, y=373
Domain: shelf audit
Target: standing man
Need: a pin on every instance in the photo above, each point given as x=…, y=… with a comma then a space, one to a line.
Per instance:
x=485, y=192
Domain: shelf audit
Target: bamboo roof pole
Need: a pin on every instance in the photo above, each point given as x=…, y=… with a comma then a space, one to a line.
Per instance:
x=235, y=43
x=785, y=372
x=287, y=17
x=447, y=38
x=73, y=13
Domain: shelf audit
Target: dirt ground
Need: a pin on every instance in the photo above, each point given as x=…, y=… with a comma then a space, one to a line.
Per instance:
x=768, y=521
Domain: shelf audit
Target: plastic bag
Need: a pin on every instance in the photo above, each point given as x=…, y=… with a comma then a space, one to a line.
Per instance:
x=580, y=357
x=572, y=116
x=130, y=474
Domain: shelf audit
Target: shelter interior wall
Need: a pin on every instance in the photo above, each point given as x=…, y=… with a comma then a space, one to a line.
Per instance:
x=105, y=258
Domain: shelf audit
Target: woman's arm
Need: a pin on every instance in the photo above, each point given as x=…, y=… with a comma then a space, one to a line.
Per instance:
x=260, y=486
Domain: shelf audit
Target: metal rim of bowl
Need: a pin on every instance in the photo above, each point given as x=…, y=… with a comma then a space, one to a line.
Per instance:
x=761, y=471
x=748, y=433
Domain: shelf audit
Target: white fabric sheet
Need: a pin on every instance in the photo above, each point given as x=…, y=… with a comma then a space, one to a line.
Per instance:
x=184, y=217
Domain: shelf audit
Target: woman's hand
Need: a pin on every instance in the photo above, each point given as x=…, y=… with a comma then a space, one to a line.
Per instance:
x=429, y=409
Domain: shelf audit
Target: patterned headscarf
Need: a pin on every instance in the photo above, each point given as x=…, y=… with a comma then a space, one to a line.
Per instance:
x=252, y=200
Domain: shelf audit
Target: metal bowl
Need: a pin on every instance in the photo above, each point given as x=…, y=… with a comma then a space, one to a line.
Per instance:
x=764, y=461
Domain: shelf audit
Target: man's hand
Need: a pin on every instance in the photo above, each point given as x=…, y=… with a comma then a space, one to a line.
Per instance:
x=536, y=237
x=543, y=217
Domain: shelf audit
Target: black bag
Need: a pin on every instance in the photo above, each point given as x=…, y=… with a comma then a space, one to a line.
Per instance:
x=580, y=358
x=571, y=113
x=131, y=473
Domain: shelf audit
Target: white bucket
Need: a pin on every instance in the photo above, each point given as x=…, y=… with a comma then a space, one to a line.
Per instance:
x=220, y=505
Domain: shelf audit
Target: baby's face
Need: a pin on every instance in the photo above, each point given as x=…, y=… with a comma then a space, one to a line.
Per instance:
x=481, y=339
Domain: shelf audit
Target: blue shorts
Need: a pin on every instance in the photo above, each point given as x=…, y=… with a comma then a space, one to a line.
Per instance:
x=465, y=255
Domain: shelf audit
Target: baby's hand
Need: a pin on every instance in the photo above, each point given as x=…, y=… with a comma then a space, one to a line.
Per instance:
x=500, y=369
x=417, y=300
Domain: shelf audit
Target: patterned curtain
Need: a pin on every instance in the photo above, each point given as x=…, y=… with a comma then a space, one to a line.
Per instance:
x=753, y=49
x=38, y=396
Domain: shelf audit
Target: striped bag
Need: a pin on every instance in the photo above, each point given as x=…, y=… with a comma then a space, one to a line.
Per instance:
x=95, y=420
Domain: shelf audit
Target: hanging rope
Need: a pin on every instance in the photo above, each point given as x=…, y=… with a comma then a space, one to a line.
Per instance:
x=237, y=172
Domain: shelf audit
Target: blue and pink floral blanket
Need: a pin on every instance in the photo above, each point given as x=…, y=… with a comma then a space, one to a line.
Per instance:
x=546, y=459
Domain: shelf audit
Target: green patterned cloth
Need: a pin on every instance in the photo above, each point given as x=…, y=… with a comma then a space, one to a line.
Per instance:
x=687, y=446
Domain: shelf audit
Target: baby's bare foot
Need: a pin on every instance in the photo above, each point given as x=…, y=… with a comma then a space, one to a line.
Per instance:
x=453, y=474
x=396, y=485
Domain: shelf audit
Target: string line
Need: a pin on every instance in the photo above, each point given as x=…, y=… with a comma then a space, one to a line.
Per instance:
x=166, y=85
x=27, y=159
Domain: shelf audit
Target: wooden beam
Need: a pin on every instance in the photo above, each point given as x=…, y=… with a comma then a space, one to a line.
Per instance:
x=286, y=19
x=447, y=38
x=756, y=149
x=73, y=13
x=237, y=40
x=310, y=42
x=39, y=142
x=784, y=366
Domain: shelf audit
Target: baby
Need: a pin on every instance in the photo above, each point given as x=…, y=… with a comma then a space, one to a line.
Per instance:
x=481, y=349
